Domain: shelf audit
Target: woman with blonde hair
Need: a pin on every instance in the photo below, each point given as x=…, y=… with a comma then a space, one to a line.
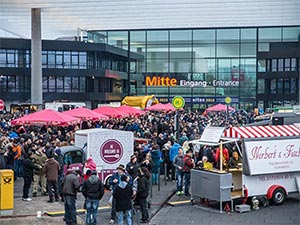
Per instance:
x=185, y=146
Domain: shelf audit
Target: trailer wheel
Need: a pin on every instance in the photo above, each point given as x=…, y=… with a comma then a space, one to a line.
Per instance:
x=278, y=196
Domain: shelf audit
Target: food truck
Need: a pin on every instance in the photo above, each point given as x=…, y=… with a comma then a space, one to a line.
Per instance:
x=270, y=164
x=108, y=148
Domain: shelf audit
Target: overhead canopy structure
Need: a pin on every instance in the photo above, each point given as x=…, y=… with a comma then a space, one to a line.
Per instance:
x=110, y=111
x=130, y=110
x=85, y=114
x=219, y=107
x=63, y=18
x=46, y=117
x=162, y=107
x=262, y=131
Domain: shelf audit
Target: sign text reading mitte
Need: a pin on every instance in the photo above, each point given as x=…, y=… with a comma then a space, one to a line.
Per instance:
x=167, y=81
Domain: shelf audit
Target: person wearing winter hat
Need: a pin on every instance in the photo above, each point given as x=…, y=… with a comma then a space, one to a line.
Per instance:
x=114, y=181
x=132, y=167
x=93, y=191
x=123, y=197
x=51, y=170
x=89, y=165
x=27, y=175
x=60, y=159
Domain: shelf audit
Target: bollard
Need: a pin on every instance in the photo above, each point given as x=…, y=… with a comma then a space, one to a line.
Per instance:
x=151, y=187
x=6, y=192
x=166, y=174
x=138, y=216
x=158, y=180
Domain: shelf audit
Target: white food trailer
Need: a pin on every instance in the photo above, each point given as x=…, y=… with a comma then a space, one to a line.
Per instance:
x=271, y=165
x=108, y=148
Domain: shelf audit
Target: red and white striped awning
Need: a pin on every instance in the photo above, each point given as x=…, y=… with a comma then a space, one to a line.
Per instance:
x=262, y=131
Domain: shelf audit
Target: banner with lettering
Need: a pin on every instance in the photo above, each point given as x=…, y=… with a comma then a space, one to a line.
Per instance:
x=273, y=156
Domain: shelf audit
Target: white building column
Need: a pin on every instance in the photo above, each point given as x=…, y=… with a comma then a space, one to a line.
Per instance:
x=36, y=57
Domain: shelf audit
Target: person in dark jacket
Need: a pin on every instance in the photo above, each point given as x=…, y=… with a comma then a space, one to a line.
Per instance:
x=123, y=195
x=10, y=159
x=132, y=167
x=2, y=159
x=178, y=164
x=28, y=168
x=147, y=162
x=59, y=158
x=70, y=186
x=51, y=170
x=114, y=180
x=155, y=156
x=143, y=185
x=93, y=191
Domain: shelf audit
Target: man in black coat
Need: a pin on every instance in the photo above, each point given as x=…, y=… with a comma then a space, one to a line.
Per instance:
x=143, y=185
x=28, y=168
x=70, y=186
x=123, y=195
x=2, y=159
x=93, y=191
x=132, y=166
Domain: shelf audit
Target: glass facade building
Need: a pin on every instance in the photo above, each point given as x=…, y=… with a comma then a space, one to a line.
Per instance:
x=207, y=65
x=255, y=66
x=71, y=71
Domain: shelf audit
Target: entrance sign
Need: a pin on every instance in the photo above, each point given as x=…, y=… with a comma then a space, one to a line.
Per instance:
x=178, y=102
x=172, y=82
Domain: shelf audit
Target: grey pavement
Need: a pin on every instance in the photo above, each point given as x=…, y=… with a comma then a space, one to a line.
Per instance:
x=289, y=213
x=26, y=212
x=162, y=214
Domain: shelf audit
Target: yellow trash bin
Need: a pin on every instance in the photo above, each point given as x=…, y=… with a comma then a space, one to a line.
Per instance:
x=6, y=192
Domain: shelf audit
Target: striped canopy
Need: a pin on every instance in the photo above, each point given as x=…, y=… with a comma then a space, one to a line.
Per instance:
x=262, y=131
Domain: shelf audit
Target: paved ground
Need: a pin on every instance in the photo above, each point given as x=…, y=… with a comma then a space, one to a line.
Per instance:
x=289, y=213
x=25, y=212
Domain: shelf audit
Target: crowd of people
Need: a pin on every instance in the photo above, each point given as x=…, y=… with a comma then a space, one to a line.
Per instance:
x=33, y=152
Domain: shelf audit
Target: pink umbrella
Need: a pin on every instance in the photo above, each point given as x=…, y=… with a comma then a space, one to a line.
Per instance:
x=110, y=111
x=162, y=107
x=130, y=110
x=85, y=114
x=220, y=107
x=47, y=117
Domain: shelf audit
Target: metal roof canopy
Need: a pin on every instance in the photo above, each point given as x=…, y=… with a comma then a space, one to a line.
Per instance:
x=64, y=17
x=262, y=131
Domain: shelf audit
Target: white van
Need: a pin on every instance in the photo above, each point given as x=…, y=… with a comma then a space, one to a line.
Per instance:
x=64, y=106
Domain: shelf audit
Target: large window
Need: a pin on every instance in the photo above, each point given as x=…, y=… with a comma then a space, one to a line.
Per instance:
x=157, y=51
x=118, y=39
x=67, y=60
x=74, y=60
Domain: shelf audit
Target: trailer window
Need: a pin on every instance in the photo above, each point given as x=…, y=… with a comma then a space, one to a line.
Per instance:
x=73, y=157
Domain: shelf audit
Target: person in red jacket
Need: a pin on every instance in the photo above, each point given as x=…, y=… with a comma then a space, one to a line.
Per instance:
x=225, y=157
x=188, y=164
